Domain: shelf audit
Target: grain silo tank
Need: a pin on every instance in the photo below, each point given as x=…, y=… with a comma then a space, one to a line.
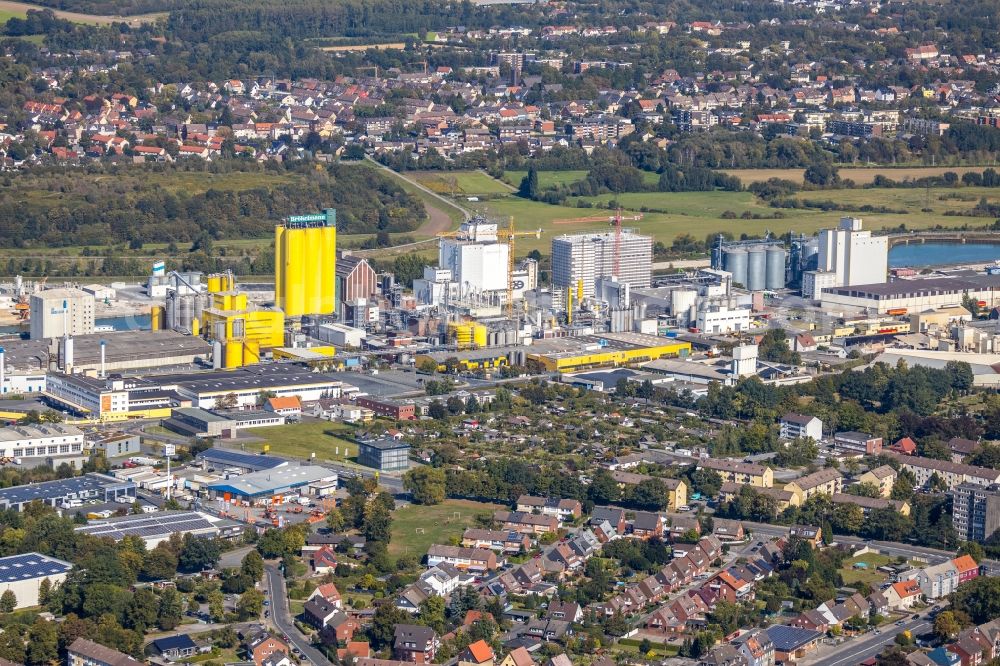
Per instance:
x=775, y=276
x=736, y=263
x=185, y=312
x=756, y=269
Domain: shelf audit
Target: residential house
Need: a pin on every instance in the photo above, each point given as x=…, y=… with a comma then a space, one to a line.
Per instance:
x=415, y=643
x=503, y=541
x=613, y=515
x=726, y=530
x=783, y=498
x=647, y=525
x=733, y=471
x=519, y=656
x=84, y=652
x=810, y=533
x=527, y=523
x=178, y=646
x=902, y=595
x=793, y=426
x=882, y=477
x=951, y=474
x=262, y=645
x=329, y=593
x=792, y=643
x=472, y=559
x=340, y=628
x=826, y=481
x=318, y=612
x=756, y=647
x=960, y=448
x=477, y=654
x=566, y=510
x=867, y=504
x=564, y=610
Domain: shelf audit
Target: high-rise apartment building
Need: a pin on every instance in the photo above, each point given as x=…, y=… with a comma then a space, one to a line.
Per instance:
x=586, y=257
x=976, y=511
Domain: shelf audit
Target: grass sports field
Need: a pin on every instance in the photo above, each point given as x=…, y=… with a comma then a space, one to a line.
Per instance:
x=860, y=175
x=329, y=441
x=415, y=528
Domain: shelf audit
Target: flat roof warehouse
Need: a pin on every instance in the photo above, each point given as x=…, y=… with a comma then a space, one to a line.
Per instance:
x=271, y=482
x=88, y=486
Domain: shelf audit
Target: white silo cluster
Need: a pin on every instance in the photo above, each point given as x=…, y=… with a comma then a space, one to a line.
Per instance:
x=756, y=267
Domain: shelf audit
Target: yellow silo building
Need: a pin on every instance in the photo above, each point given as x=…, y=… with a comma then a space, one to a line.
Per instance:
x=305, y=258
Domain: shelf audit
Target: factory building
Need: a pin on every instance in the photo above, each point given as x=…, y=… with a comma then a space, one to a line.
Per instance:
x=23, y=575
x=723, y=320
x=246, y=384
x=305, y=258
x=853, y=254
x=478, y=260
x=356, y=282
x=915, y=295
x=156, y=528
x=580, y=259
x=814, y=282
x=271, y=484
x=49, y=444
x=195, y=422
x=243, y=330
x=73, y=491
x=58, y=312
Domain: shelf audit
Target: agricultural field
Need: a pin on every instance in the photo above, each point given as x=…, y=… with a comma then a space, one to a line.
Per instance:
x=11, y=8
x=328, y=440
x=415, y=528
x=459, y=183
x=860, y=175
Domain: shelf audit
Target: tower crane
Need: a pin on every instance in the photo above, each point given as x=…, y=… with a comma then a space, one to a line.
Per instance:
x=505, y=235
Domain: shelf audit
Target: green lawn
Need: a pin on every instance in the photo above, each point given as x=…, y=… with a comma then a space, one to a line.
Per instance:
x=6, y=14
x=415, y=528
x=547, y=179
x=868, y=575
x=328, y=440
x=459, y=183
x=700, y=213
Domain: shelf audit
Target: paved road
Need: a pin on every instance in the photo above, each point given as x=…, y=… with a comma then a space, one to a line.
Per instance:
x=891, y=548
x=857, y=650
x=282, y=617
x=232, y=559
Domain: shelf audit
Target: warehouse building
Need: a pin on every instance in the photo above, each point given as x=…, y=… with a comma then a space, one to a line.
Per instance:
x=916, y=295
x=244, y=463
x=246, y=384
x=67, y=493
x=195, y=422
x=271, y=485
x=123, y=350
x=48, y=444
x=23, y=575
x=156, y=528
x=566, y=354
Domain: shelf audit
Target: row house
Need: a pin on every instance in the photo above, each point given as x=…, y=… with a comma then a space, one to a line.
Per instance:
x=469, y=559
x=502, y=541
x=867, y=504
x=526, y=523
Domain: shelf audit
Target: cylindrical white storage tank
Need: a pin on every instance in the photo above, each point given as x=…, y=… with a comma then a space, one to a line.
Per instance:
x=185, y=312
x=775, y=277
x=681, y=300
x=756, y=269
x=216, y=354
x=736, y=263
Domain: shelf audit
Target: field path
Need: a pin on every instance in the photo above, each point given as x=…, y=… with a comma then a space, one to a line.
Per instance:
x=510, y=188
x=438, y=221
x=94, y=19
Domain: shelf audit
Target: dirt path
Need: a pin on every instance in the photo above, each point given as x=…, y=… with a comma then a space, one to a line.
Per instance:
x=94, y=19
x=438, y=221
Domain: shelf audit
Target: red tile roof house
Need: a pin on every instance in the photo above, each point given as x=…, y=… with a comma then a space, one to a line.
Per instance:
x=324, y=560
x=263, y=645
x=328, y=592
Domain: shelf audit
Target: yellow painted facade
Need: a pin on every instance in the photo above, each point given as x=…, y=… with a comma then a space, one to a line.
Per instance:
x=305, y=265
x=563, y=362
